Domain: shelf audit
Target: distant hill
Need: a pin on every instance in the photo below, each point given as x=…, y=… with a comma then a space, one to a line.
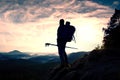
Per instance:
x=14, y=55
x=74, y=56
x=53, y=58
x=16, y=65
x=39, y=58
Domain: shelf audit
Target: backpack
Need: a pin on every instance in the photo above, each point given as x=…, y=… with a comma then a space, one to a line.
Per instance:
x=66, y=33
x=70, y=33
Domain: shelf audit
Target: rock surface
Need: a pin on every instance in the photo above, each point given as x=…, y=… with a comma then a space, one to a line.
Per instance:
x=98, y=65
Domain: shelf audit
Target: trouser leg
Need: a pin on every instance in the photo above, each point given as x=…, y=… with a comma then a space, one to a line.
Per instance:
x=62, y=53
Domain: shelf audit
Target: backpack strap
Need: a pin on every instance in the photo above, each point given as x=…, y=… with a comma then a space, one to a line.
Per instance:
x=74, y=39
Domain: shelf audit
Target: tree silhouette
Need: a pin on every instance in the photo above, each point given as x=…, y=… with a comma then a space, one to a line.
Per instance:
x=112, y=32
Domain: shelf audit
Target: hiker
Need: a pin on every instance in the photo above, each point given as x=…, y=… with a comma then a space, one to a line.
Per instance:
x=64, y=35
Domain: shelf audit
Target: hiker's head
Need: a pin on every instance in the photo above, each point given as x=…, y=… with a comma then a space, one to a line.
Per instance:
x=61, y=22
x=67, y=23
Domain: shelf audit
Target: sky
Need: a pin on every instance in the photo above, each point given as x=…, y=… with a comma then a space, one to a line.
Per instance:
x=26, y=25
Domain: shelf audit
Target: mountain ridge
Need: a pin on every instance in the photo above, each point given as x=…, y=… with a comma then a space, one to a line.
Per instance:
x=16, y=54
x=36, y=67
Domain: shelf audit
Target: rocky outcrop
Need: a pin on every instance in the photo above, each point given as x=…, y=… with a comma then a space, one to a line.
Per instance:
x=98, y=65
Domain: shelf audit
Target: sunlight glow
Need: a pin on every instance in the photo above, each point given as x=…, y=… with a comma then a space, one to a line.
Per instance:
x=88, y=33
x=28, y=27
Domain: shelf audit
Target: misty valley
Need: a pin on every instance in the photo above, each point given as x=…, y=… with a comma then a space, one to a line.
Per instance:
x=16, y=65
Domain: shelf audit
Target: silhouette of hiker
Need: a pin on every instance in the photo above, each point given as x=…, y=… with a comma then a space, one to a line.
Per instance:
x=62, y=38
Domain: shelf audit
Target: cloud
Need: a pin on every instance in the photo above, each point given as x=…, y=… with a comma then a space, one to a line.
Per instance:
x=28, y=24
x=110, y=3
x=21, y=11
x=4, y=33
x=116, y=3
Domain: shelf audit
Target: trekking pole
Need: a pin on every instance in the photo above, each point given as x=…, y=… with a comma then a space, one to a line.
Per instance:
x=47, y=44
